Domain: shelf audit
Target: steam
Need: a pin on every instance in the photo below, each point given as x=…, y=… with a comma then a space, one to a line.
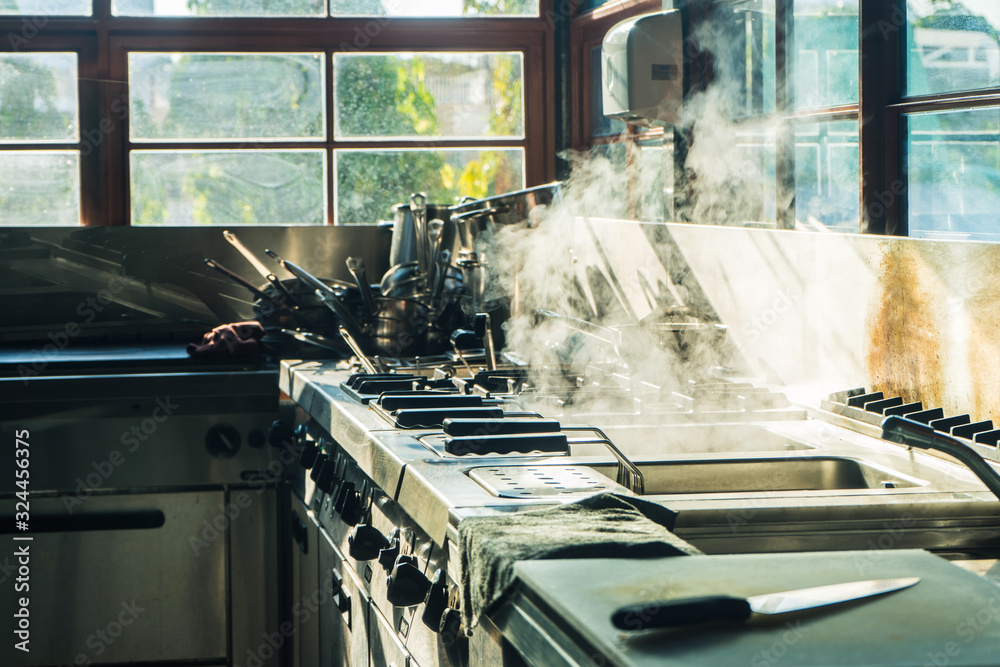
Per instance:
x=729, y=177
x=545, y=264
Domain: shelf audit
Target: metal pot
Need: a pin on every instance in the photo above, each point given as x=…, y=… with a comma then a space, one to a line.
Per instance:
x=474, y=217
x=403, y=281
x=400, y=328
x=404, y=245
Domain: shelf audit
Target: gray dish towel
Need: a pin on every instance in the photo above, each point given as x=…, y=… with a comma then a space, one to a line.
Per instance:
x=601, y=526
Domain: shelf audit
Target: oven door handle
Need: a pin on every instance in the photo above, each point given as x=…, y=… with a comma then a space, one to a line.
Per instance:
x=60, y=523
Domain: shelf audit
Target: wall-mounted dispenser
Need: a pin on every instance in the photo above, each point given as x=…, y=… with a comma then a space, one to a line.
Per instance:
x=643, y=69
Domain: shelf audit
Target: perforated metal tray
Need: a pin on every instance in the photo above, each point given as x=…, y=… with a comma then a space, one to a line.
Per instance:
x=533, y=481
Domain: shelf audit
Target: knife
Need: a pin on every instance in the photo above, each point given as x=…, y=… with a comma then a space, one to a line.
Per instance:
x=687, y=611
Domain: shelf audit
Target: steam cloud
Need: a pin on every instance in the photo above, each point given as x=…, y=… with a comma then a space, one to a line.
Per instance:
x=728, y=180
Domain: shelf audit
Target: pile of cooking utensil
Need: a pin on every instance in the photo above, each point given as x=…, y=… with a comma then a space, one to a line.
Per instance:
x=435, y=284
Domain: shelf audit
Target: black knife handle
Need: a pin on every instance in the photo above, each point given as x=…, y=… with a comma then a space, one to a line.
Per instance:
x=684, y=611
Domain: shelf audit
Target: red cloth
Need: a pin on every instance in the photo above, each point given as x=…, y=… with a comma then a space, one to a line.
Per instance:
x=240, y=339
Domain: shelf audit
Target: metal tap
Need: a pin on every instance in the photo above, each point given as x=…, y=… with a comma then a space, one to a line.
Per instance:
x=915, y=434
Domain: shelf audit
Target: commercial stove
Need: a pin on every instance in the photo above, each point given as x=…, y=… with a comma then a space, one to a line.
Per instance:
x=392, y=462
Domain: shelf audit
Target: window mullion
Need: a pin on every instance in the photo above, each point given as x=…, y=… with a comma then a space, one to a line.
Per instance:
x=784, y=41
x=882, y=188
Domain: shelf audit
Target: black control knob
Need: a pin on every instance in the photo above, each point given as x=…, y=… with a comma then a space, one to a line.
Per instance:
x=365, y=542
x=387, y=557
x=346, y=489
x=407, y=584
x=436, y=601
x=223, y=441
x=280, y=434
x=310, y=450
x=317, y=466
x=352, y=512
x=326, y=477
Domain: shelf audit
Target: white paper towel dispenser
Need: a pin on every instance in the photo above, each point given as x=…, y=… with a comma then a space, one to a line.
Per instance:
x=643, y=69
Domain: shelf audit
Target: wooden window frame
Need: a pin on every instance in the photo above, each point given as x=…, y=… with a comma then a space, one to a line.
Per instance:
x=103, y=42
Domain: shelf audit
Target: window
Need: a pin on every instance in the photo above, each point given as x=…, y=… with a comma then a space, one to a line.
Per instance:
x=289, y=112
x=775, y=91
x=643, y=156
x=39, y=131
x=949, y=115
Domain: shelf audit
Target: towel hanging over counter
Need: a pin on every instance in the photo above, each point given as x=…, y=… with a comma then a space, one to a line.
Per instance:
x=600, y=526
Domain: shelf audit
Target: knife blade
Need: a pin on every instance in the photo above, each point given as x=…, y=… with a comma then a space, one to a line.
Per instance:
x=687, y=611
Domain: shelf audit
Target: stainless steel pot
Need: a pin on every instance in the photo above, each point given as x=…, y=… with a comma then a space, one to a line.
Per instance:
x=474, y=217
x=400, y=328
x=404, y=281
x=404, y=245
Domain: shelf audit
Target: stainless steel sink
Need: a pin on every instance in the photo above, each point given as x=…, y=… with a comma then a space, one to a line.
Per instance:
x=815, y=473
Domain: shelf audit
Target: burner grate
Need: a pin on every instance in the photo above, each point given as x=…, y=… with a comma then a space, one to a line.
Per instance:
x=873, y=407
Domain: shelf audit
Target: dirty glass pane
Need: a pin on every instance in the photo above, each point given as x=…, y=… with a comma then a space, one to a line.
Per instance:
x=38, y=97
x=825, y=55
x=952, y=46
x=218, y=7
x=40, y=11
x=744, y=49
x=272, y=187
x=39, y=188
x=827, y=196
x=369, y=183
x=953, y=167
x=208, y=96
x=443, y=8
x=447, y=95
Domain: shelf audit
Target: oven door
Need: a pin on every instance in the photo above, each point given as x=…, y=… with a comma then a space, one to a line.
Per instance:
x=306, y=593
x=124, y=579
x=387, y=650
x=343, y=614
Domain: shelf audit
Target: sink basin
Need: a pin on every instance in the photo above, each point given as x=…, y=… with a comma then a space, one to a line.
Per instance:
x=815, y=473
x=655, y=441
x=762, y=475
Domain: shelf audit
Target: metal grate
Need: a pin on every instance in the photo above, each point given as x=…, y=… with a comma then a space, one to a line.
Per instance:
x=534, y=481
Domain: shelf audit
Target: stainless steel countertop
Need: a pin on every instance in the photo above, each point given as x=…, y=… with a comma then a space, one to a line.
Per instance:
x=939, y=504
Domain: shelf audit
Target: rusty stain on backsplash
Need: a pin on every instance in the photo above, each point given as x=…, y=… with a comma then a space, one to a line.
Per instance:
x=984, y=331
x=904, y=339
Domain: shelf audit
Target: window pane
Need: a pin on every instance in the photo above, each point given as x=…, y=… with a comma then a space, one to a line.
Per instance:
x=40, y=188
x=44, y=8
x=461, y=95
x=218, y=7
x=825, y=57
x=38, y=98
x=270, y=187
x=953, y=165
x=745, y=65
x=207, y=96
x=434, y=8
x=952, y=46
x=827, y=195
x=369, y=183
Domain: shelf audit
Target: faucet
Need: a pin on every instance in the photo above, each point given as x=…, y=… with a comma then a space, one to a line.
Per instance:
x=915, y=434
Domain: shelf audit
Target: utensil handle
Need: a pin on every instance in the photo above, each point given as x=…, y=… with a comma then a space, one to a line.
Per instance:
x=212, y=264
x=684, y=611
